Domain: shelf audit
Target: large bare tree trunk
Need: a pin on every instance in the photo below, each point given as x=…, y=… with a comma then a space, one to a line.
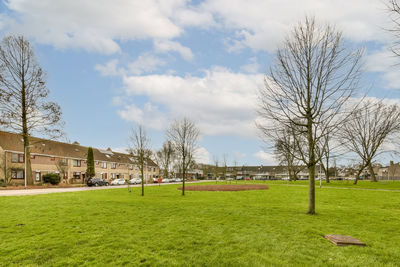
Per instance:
x=358, y=175
x=371, y=171
x=25, y=137
x=311, y=169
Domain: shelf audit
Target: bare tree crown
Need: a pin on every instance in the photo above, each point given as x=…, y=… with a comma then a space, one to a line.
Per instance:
x=23, y=91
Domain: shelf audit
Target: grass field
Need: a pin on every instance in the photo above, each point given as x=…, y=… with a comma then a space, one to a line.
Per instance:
x=363, y=184
x=250, y=228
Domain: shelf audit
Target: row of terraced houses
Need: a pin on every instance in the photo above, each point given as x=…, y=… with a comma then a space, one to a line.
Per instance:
x=68, y=160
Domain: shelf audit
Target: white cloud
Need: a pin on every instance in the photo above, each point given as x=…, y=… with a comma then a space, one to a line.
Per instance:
x=221, y=101
x=110, y=68
x=167, y=45
x=266, y=157
x=149, y=115
x=95, y=25
x=252, y=67
x=262, y=24
x=145, y=63
x=383, y=61
x=258, y=24
x=202, y=156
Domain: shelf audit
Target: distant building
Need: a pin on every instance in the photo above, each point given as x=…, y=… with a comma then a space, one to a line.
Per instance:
x=68, y=160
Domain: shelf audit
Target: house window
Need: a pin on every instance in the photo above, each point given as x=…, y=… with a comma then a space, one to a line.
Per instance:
x=112, y=175
x=77, y=163
x=52, y=158
x=14, y=157
x=77, y=175
x=113, y=165
x=104, y=165
x=130, y=166
x=32, y=156
x=154, y=169
x=64, y=161
x=148, y=169
x=17, y=174
x=17, y=158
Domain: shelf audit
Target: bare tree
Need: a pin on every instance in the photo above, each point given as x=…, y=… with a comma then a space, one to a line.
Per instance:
x=165, y=156
x=368, y=128
x=286, y=151
x=23, y=95
x=324, y=154
x=62, y=167
x=216, y=167
x=393, y=8
x=140, y=150
x=313, y=77
x=224, y=166
x=184, y=134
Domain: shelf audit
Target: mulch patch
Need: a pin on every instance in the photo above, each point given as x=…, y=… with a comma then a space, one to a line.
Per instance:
x=227, y=187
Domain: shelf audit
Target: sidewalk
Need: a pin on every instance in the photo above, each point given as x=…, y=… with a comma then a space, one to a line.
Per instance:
x=41, y=191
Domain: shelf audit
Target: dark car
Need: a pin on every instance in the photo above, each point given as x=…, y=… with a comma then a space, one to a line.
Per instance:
x=96, y=182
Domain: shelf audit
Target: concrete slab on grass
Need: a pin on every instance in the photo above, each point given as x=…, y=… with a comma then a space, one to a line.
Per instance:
x=344, y=240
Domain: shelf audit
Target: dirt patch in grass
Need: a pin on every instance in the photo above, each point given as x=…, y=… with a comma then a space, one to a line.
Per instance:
x=227, y=187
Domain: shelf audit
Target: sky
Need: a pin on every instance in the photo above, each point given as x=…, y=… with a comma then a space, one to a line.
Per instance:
x=114, y=64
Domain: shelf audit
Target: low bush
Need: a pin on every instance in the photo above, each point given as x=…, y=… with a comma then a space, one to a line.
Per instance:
x=52, y=178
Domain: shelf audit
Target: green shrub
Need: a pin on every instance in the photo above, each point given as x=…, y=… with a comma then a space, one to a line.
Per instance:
x=52, y=178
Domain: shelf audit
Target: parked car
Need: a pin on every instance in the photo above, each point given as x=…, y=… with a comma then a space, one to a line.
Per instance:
x=165, y=180
x=135, y=181
x=96, y=182
x=118, y=182
x=172, y=180
x=179, y=180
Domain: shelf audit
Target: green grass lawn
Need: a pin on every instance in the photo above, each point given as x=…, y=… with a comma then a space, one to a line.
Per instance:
x=253, y=228
x=364, y=184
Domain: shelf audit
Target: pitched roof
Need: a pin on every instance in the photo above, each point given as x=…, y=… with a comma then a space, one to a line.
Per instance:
x=13, y=142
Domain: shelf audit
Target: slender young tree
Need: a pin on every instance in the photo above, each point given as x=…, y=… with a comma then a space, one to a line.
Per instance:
x=324, y=154
x=140, y=150
x=24, y=107
x=313, y=77
x=90, y=170
x=216, y=167
x=224, y=166
x=184, y=135
x=369, y=127
x=164, y=157
x=286, y=151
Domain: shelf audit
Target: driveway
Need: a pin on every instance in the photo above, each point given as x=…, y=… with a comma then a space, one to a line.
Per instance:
x=26, y=192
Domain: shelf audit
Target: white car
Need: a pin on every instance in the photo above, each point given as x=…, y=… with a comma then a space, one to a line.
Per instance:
x=179, y=180
x=118, y=182
x=135, y=181
x=165, y=180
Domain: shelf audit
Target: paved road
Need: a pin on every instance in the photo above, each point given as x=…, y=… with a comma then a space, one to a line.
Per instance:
x=25, y=192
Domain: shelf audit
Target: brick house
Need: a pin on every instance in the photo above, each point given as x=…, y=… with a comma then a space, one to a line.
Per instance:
x=68, y=160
